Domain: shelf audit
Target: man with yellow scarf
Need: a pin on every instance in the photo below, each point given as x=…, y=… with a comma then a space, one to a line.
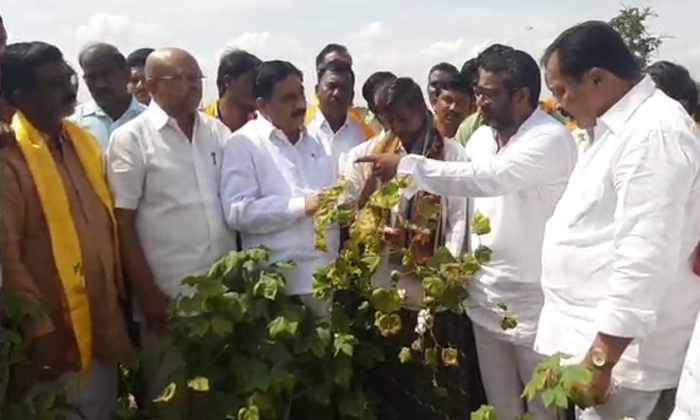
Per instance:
x=58, y=239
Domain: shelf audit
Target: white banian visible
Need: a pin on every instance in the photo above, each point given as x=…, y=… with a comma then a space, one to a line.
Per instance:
x=617, y=252
x=265, y=180
x=173, y=185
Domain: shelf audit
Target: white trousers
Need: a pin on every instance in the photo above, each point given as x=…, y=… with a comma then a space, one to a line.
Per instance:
x=94, y=396
x=623, y=403
x=505, y=369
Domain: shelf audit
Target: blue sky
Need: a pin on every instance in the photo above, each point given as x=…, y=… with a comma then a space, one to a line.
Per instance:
x=406, y=37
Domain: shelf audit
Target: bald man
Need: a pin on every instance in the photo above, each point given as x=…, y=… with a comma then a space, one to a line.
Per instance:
x=106, y=75
x=163, y=168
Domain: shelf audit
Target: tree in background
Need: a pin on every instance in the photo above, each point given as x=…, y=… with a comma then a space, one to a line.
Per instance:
x=631, y=22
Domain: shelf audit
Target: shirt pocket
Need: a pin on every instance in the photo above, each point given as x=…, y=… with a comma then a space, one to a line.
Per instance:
x=325, y=172
x=582, y=206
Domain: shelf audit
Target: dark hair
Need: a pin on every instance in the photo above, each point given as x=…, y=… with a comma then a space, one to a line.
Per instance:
x=235, y=63
x=335, y=66
x=270, y=73
x=443, y=67
x=104, y=50
x=400, y=92
x=593, y=44
x=455, y=83
x=330, y=48
x=675, y=81
x=518, y=67
x=18, y=63
x=470, y=69
x=138, y=57
x=372, y=84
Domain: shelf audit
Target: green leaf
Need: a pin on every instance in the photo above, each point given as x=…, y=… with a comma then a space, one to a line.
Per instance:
x=485, y=412
x=434, y=287
x=441, y=256
x=405, y=355
x=480, y=224
x=386, y=300
x=249, y=413
x=449, y=356
x=482, y=255
x=221, y=326
x=269, y=286
x=344, y=343
x=281, y=326
x=387, y=324
x=199, y=326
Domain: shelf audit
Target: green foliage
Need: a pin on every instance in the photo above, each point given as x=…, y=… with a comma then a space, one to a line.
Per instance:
x=557, y=384
x=15, y=315
x=632, y=23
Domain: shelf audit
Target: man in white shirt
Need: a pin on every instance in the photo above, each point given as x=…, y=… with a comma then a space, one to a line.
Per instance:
x=401, y=104
x=163, y=169
x=330, y=123
x=106, y=75
x=620, y=295
x=520, y=163
x=272, y=174
x=452, y=103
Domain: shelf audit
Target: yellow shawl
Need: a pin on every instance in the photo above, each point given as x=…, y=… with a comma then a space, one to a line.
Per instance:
x=212, y=109
x=354, y=114
x=65, y=244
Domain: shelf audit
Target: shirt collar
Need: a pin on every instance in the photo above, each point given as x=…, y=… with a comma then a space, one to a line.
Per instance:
x=270, y=132
x=91, y=108
x=319, y=120
x=616, y=117
x=157, y=116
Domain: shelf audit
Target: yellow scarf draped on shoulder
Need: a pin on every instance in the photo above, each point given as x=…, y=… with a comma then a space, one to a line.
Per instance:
x=212, y=109
x=354, y=114
x=65, y=244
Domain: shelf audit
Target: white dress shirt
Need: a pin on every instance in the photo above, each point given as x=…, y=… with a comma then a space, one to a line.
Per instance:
x=688, y=396
x=616, y=256
x=94, y=120
x=454, y=210
x=264, y=183
x=516, y=188
x=172, y=184
x=337, y=144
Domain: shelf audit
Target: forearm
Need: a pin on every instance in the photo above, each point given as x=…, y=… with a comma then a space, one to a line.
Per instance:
x=136, y=269
x=611, y=346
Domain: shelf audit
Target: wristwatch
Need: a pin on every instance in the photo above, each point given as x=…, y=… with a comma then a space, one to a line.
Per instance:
x=598, y=358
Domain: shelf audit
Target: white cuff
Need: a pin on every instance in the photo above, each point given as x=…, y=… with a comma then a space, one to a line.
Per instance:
x=624, y=322
x=297, y=207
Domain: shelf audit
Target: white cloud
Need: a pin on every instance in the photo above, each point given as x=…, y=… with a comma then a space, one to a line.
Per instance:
x=407, y=43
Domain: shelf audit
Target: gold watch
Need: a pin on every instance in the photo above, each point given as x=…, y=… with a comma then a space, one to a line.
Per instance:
x=599, y=359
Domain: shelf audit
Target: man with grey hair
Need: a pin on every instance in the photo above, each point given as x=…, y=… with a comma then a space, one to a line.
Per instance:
x=106, y=75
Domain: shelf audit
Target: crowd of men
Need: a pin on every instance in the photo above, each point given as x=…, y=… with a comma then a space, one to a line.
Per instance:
x=594, y=203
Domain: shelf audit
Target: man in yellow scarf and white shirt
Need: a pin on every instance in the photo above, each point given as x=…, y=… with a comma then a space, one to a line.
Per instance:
x=58, y=240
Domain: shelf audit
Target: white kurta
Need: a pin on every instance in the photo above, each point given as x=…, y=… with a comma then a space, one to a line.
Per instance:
x=454, y=211
x=264, y=182
x=517, y=189
x=617, y=251
x=172, y=184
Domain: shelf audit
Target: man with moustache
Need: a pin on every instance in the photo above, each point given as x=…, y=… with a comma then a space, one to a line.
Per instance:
x=234, y=80
x=58, y=238
x=520, y=162
x=106, y=75
x=163, y=168
x=451, y=103
x=620, y=293
x=137, y=81
x=436, y=74
x=272, y=174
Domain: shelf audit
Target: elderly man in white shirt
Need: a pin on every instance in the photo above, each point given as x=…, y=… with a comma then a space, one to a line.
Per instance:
x=106, y=75
x=272, y=174
x=620, y=295
x=164, y=170
x=520, y=163
x=413, y=131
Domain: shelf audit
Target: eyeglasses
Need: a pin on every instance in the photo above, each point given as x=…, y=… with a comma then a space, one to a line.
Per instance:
x=492, y=93
x=182, y=78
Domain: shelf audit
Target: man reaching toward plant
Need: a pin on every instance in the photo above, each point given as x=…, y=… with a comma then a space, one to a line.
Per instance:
x=519, y=165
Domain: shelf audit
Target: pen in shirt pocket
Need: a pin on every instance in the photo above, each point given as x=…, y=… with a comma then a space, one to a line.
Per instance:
x=213, y=158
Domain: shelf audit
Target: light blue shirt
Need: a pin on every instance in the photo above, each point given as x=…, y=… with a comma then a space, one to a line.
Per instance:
x=92, y=118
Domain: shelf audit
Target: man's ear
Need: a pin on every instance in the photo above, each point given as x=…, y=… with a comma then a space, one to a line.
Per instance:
x=316, y=89
x=597, y=75
x=260, y=104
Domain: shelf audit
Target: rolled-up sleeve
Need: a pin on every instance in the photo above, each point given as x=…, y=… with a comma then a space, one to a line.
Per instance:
x=244, y=206
x=126, y=169
x=651, y=179
x=541, y=159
